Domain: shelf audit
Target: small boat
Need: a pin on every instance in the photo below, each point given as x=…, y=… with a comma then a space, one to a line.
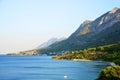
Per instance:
x=65, y=77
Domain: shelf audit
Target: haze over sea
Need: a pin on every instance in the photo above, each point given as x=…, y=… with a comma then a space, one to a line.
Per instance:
x=44, y=68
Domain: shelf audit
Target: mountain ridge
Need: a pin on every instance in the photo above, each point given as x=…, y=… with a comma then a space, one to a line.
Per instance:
x=49, y=42
x=102, y=31
x=85, y=35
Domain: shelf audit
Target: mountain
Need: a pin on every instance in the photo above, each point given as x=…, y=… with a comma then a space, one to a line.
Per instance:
x=39, y=48
x=49, y=42
x=102, y=31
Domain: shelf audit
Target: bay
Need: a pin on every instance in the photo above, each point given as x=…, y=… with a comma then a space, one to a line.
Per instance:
x=44, y=68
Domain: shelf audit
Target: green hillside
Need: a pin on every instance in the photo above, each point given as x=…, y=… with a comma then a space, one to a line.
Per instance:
x=106, y=53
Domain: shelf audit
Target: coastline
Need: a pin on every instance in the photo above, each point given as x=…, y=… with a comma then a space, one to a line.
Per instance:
x=110, y=63
x=81, y=60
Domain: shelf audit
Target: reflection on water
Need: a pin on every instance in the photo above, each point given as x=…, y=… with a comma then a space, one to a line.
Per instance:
x=44, y=68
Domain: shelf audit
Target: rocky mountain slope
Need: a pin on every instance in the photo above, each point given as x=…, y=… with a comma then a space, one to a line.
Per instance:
x=104, y=30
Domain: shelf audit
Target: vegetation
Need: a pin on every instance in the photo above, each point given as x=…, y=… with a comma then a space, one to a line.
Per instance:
x=110, y=73
x=107, y=53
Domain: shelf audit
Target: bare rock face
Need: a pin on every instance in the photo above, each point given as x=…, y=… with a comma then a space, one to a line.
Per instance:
x=83, y=28
x=113, y=10
x=106, y=20
x=101, y=23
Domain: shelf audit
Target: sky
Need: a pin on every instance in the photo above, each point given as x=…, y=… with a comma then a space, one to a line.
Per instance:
x=25, y=24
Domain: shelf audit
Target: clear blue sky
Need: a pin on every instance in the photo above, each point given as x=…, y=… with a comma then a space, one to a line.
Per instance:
x=25, y=24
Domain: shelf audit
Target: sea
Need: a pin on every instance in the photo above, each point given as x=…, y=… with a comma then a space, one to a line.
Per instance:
x=45, y=68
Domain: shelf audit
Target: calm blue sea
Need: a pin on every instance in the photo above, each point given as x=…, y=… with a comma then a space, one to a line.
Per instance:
x=44, y=68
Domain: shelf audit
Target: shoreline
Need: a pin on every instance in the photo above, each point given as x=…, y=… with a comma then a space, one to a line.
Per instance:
x=111, y=63
x=77, y=60
x=81, y=60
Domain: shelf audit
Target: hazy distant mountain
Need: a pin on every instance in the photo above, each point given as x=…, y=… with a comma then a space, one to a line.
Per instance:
x=104, y=30
x=49, y=42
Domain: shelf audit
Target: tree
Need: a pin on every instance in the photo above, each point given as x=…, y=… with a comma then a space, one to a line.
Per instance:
x=110, y=73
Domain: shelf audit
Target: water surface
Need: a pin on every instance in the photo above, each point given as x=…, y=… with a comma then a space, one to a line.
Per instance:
x=44, y=68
